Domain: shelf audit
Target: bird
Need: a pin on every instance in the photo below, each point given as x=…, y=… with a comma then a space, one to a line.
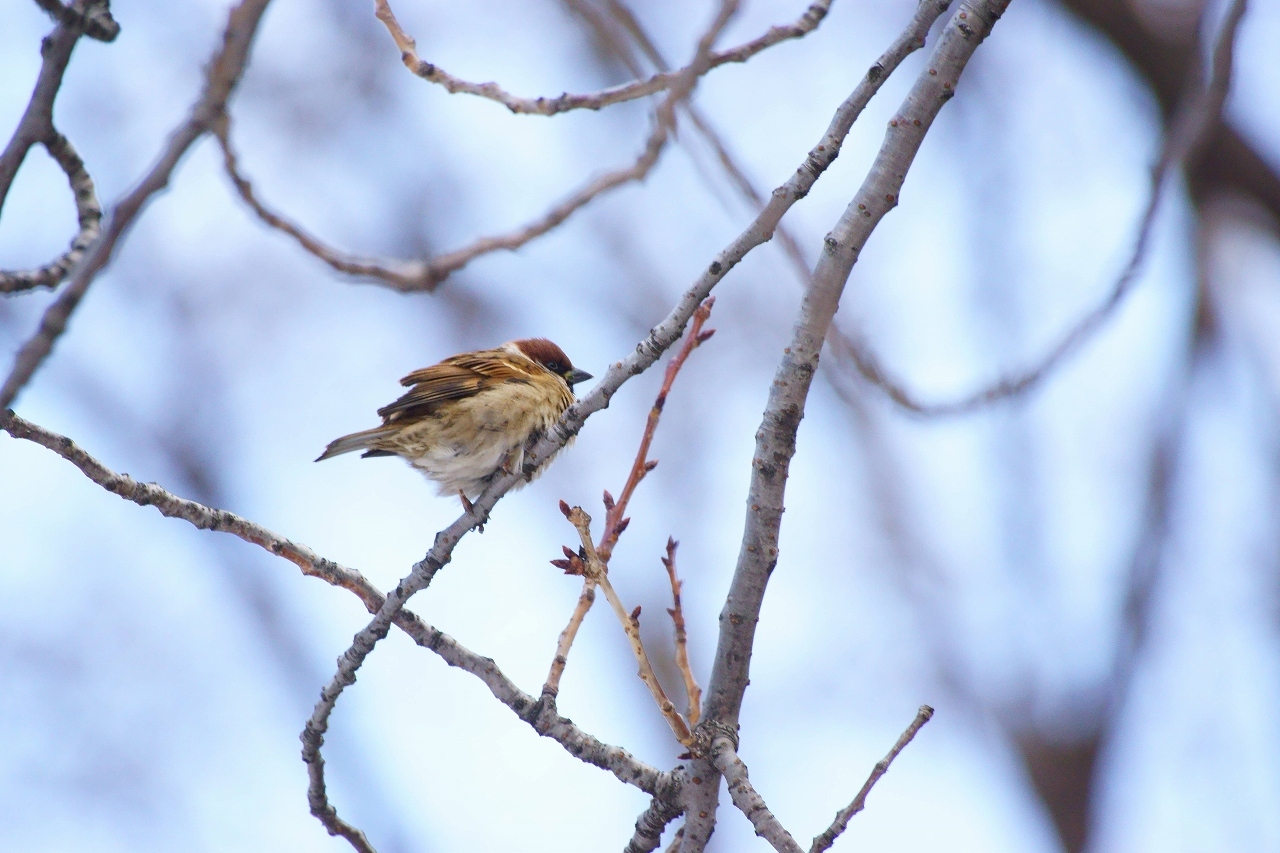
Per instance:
x=471, y=415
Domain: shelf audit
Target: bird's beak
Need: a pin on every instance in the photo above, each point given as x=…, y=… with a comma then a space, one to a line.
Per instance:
x=573, y=377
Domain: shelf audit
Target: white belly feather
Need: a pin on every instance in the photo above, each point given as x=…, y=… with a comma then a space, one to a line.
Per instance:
x=481, y=434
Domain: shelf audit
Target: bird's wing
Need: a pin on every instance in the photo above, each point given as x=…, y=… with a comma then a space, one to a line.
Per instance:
x=452, y=379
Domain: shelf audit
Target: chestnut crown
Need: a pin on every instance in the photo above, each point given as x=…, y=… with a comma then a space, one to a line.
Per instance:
x=551, y=357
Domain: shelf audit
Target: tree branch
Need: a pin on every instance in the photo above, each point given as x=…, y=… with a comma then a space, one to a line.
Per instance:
x=545, y=721
x=828, y=837
x=775, y=441
x=418, y=275
x=36, y=127
x=747, y=799
x=1191, y=128
x=221, y=78
x=804, y=25
x=651, y=823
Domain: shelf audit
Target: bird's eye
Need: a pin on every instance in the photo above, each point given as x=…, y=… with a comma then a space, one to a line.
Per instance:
x=553, y=366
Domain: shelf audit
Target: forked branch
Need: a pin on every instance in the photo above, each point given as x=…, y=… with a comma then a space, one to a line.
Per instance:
x=616, y=522
x=430, y=72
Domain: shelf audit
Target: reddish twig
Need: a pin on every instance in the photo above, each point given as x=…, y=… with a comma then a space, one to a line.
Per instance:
x=580, y=562
x=614, y=522
x=595, y=569
x=691, y=688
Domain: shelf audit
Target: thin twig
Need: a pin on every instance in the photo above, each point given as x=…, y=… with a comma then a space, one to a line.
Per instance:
x=829, y=836
x=691, y=689
x=222, y=76
x=409, y=275
x=36, y=127
x=597, y=571
x=615, y=515
x=1196, y=119
x=588, y=596
x=804, y=25
x=725, y=757
x=546, y=722
x=615, y=520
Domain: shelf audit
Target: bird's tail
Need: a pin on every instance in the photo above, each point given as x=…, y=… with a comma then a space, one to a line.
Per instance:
x=356, y=441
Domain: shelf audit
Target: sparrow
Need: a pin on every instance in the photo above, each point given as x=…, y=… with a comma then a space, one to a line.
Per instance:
x=472, y=414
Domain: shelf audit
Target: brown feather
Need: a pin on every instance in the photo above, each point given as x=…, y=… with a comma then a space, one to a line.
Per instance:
x=454, y=378
x=472, y=414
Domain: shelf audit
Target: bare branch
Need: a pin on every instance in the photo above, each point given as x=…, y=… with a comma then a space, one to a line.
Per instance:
x=222, y=76
x=551, y=687
x=402, y=275
x=641, y=466
x=88, y=213
x=598, y=571
x=1196, y=119
x=691, y=689
x=615, y=515
x=775, y=444
x=806, y=24
x=747, y=799
x=36, y=127
x=651, y=823
x=417, y=275
x=408, y=276
x=545, y=721
x=829, y=836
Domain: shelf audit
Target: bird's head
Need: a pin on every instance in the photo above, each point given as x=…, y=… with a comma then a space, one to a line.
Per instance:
x=550, y=356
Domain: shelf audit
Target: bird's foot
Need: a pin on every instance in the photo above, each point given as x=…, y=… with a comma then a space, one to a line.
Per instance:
x=470, y=509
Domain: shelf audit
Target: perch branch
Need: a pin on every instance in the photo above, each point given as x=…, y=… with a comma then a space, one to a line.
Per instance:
x=547, y=723
x=477, y=513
